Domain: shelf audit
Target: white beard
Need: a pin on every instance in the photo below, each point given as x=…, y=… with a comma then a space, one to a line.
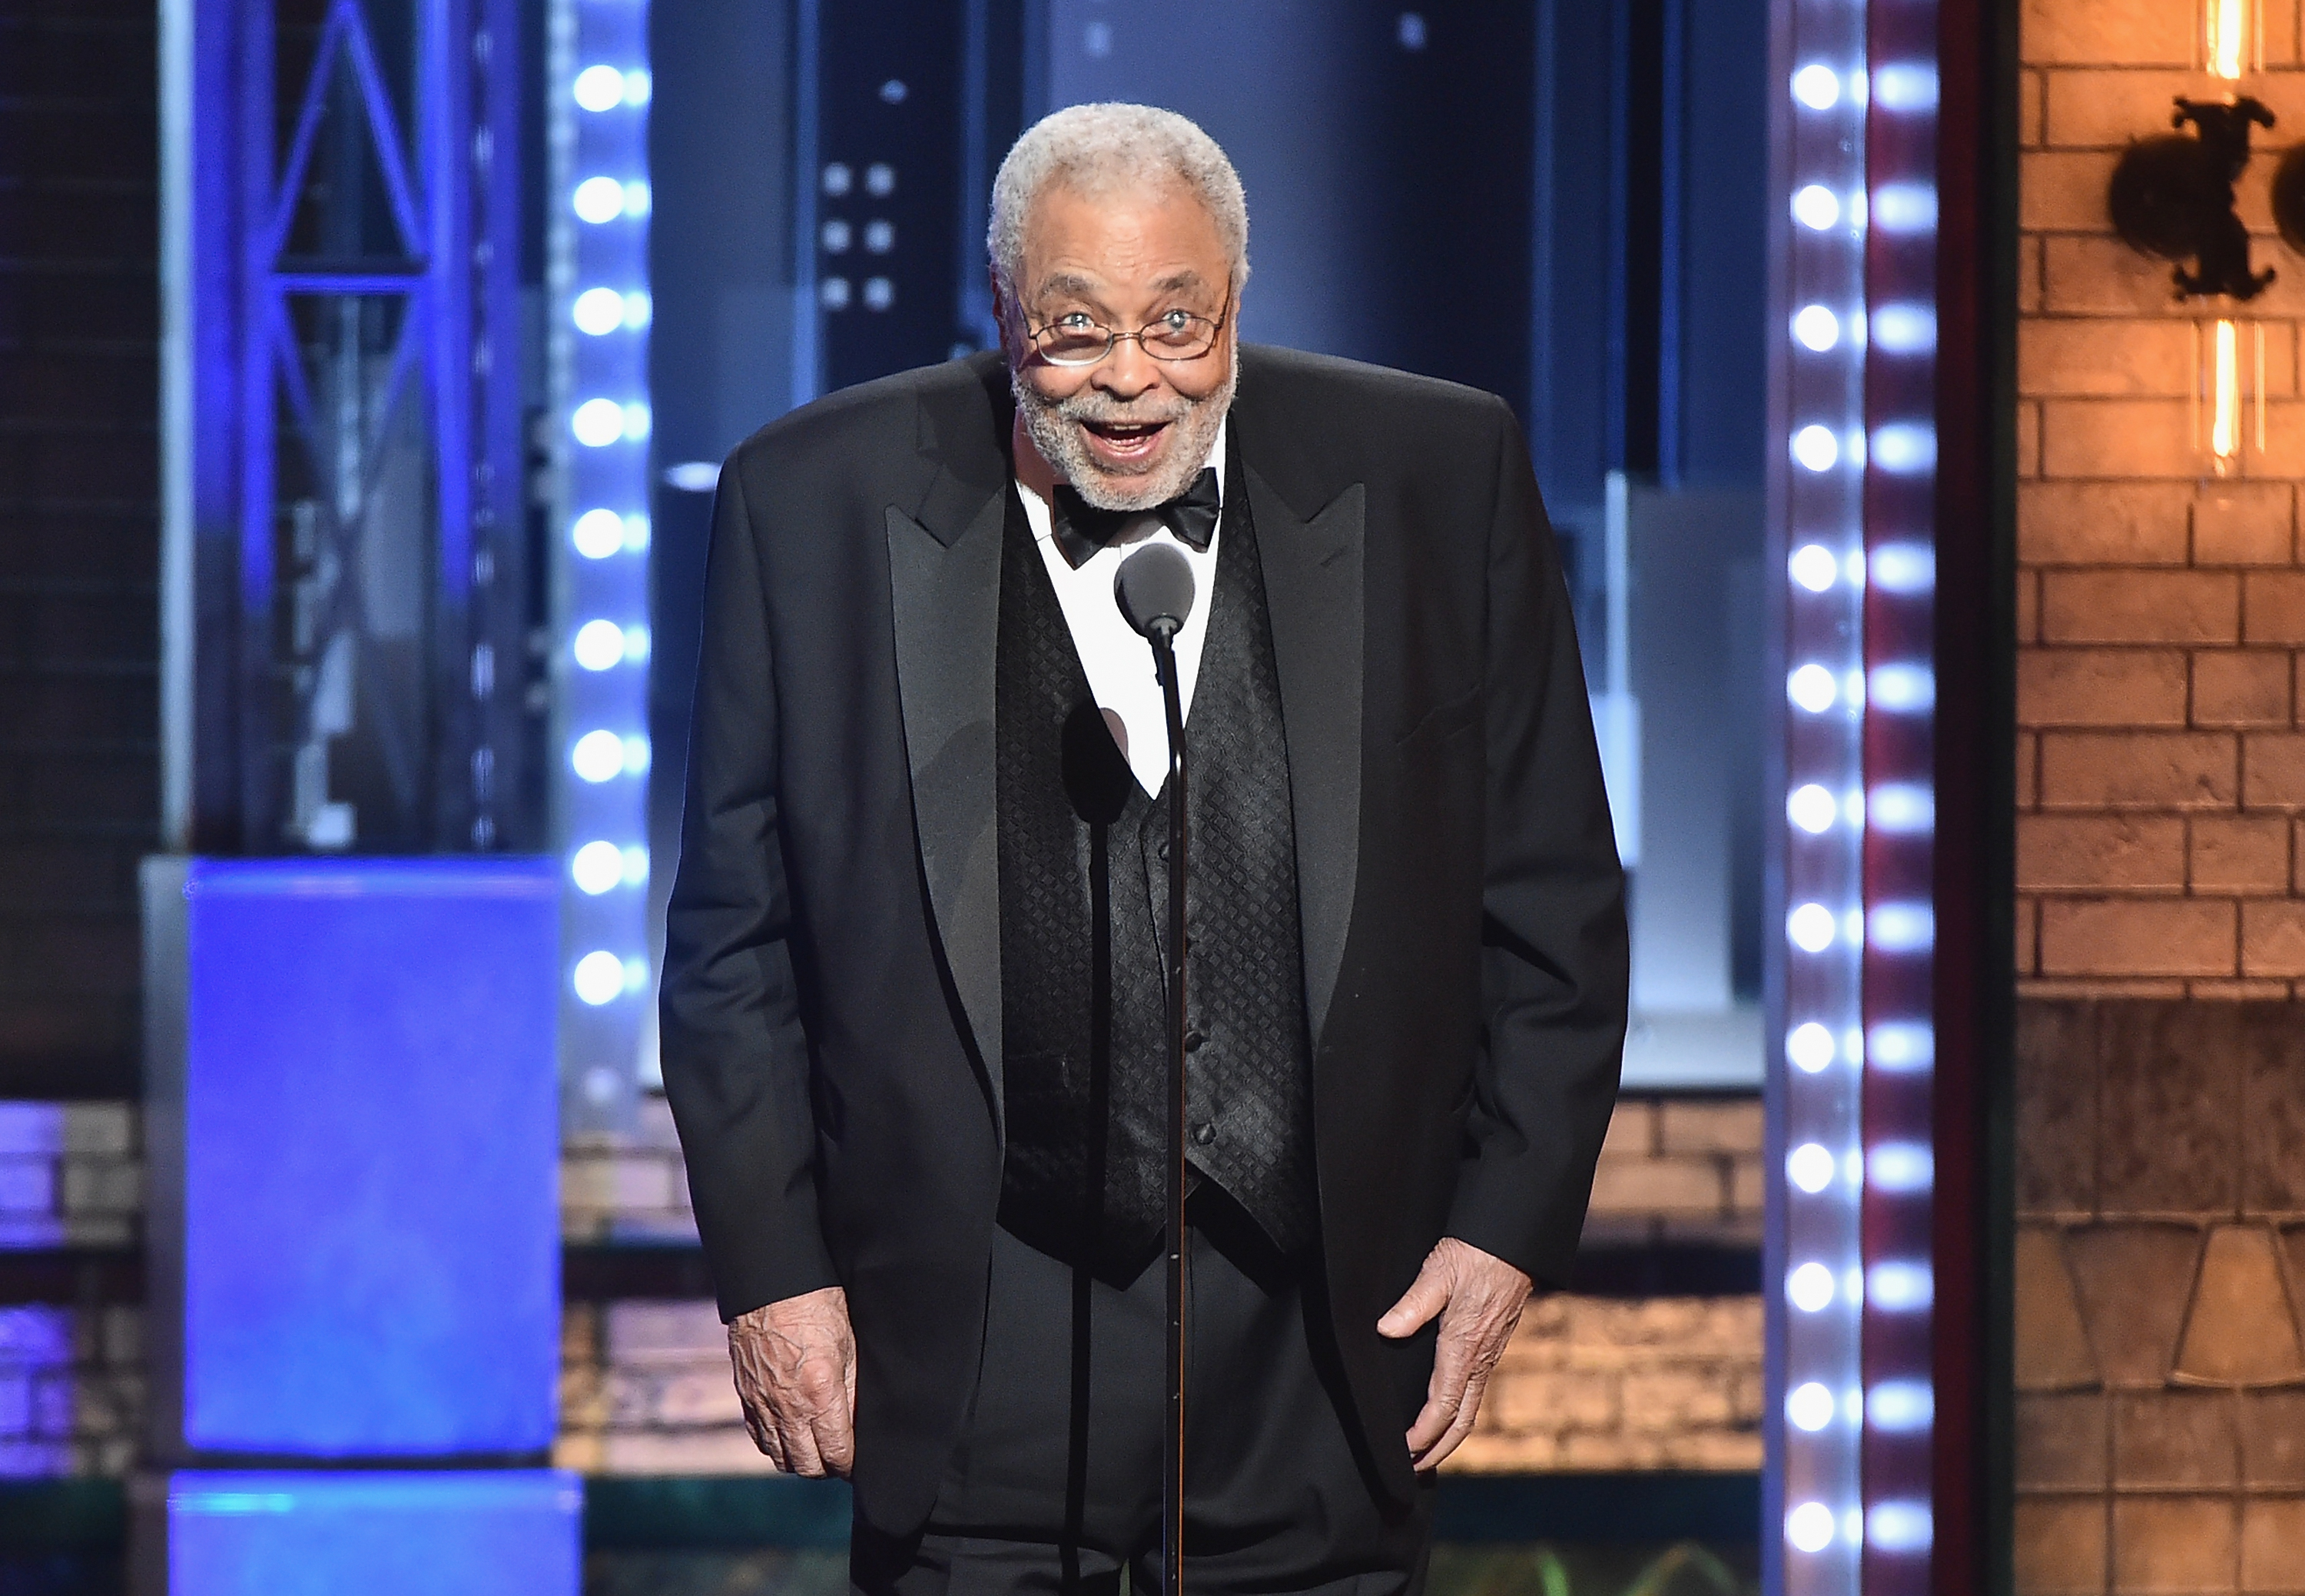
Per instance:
x=1054, y=427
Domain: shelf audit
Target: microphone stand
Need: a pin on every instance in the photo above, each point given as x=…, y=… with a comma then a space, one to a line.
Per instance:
x=1162, y=635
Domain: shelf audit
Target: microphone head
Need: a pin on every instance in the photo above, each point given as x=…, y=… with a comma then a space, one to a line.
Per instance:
x=1154, y=589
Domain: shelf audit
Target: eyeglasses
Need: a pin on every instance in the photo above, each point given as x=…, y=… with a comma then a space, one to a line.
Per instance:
x=1078, y=339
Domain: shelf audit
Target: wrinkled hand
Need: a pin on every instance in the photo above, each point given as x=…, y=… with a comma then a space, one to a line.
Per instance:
x=796, y=1363
x=1479, y=1298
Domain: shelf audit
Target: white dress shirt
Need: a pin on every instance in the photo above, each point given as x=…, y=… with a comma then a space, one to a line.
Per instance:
x=1117, y=660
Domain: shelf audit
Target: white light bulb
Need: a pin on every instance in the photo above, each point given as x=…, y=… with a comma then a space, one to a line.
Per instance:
x=1810, y=1288
x=598, y=756
x=598, y=311
x=1812, y=927
x=598, y=423
x=1817, y=86
x=638, y=309
x=1899, y=1526
x=1901, y=1166
x=1816, y=208
x=637, y=756
x=1810, y=1166
x=1815, y=447
x=636, y=420
x=1809, y=1047
x=1903, y=688
x=1810, y=1527
x=1816, y=328
x=600, y=88
x=637, y=198
x=1899, y=1286
x=1812, y=688
x=1901, y=1406
x=600, y=977
x=1902, y=808
x=1812, y=808
x=1809, y=1406
x=638, y=88
x=600, y=200
x=599, y=645
x=1813, y=566
x=598, y=533
x=597, y=866
x=636, y=864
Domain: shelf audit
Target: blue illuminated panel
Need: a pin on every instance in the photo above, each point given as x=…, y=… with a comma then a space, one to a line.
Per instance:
x=304, y=1534
x=355, y=1157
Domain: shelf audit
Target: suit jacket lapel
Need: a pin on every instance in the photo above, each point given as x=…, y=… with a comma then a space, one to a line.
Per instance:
x=944, y=577
x=1313, y=589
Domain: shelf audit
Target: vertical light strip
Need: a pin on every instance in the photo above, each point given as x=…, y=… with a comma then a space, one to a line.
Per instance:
x=598, y=84
x=1816, y=1310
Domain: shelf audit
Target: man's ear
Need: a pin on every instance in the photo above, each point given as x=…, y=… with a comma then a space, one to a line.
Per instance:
x=1001, y=310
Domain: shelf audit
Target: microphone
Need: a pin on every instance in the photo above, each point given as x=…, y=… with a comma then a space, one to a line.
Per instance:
x=1155, y=590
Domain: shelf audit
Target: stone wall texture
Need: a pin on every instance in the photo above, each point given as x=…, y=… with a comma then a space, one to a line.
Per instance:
x=2160, y=1263
x=2160, y=752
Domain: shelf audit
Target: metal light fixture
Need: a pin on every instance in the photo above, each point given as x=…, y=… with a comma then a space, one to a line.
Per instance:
x=2172, y=196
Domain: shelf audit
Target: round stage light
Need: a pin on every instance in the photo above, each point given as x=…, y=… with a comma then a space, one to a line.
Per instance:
x=1812, y=688
x=1812, y=808
x=597, y=867
x=598, y=423
x=1813, y=566
x=1810, y=1288
x=598, y=533
x=1812, y=927
x=1816, y=208
x=1809, y=1406
x=1809, y=1047
x=1816, y=329
x=1815, y=447
x=1811, y=1166
x=1810, y=1527
x=600, y=977
x=599, y=645
x=600, y=89
x=598, y=311
x=1817, y=86
x=599, y=757
x=600, y=200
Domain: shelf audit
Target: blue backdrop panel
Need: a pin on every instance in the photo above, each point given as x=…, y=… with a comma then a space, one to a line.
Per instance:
x=359, y=1534
x=368, y=1158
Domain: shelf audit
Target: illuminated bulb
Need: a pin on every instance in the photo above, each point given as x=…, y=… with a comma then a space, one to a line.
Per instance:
x=1812, y=688
x=636, y=864
x=636, y=199
x=598, y=311
x=2224, y=416
x=637, y=756
x=1810, y=1288
x=1811, y=1166
x=1809, y=1406
x=1815, y=207
x=599, y=645
x=598, y=533
x=1812, y=808
x=1815, y=447
x=1813, y=566
x=1899, y=1526
x=600, y=977
x=638, y=309
x=636, y=420
x=1816, y=329
x=598, y=423
x=597, y=867
x=1901, y=1406
x=1812, y=927
x=1817, y=86
x=1902, y=808
x=600, y=200
x=2228, y=31
x=638, y=88
x=1899, y=1286
x=1809, y=1047
x=1810, y=1527
x=600, y=88
x=598, y=756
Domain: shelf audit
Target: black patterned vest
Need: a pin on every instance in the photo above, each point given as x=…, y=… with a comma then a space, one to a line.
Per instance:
x=1084, y=908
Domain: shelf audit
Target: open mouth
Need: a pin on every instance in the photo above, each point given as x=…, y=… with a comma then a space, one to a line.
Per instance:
x=1124, y=443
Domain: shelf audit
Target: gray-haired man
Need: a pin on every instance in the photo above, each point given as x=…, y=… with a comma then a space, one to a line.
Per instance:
x=912, y=1002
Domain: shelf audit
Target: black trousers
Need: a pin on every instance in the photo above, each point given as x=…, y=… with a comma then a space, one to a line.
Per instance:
x=1055, y=1485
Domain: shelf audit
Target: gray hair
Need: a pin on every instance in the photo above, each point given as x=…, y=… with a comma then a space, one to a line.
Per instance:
x=1100, y=149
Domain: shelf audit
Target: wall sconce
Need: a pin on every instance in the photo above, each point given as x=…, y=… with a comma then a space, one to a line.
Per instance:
x=2172, y=196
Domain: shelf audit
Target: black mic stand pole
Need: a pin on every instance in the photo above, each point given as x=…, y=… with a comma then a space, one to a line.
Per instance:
x=1162, y=635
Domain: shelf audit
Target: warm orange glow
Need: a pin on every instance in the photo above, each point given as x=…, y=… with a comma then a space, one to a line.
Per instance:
x=2228, y=30
x=2224, y=416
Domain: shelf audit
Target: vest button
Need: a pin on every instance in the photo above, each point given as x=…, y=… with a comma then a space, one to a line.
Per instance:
x=1193, y=1040
x=1204, y=1133
x=1160, y=850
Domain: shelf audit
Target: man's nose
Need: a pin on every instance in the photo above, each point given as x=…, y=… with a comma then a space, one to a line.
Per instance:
x=1127, y=372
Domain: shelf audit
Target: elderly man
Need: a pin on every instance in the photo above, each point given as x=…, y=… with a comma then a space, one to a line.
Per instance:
x=912, y=1008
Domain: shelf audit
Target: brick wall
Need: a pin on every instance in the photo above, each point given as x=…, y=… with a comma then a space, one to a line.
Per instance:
x=2161, y=766
x=1590, y=1383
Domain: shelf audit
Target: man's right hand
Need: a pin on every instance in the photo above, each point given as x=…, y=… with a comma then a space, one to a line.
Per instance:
x=796, y=1363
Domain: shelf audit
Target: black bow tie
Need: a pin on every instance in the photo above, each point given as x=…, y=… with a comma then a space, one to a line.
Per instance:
x=1081, y=528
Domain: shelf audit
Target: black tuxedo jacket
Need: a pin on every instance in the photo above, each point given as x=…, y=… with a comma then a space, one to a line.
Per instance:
x=831, y=994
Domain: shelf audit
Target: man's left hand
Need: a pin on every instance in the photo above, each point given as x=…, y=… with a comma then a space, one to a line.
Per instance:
x=1479, y=1298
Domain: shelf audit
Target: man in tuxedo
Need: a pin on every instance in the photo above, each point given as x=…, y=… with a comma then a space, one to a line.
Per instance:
x=912, y=1002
